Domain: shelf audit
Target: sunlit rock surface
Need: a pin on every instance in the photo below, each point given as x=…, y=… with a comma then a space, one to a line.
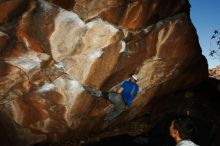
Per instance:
x=133, y=14
x=48, y=53
x=215, y=72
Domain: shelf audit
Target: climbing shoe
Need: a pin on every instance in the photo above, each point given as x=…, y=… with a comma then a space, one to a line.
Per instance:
x=88, y=89
x=92, y=91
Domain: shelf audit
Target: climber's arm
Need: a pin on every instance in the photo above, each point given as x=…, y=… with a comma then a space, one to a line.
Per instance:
x=119, y=90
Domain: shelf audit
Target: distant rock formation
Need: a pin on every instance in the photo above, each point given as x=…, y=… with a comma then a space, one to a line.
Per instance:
x=215, y=72
x=47, y=53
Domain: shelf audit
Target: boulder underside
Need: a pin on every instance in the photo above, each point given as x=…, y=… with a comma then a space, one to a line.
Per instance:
x=48, y=53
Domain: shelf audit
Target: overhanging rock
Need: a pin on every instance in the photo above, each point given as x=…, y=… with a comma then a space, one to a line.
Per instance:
x=49, y=53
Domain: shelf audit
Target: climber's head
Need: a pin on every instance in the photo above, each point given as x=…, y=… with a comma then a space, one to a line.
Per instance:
x=134, y=77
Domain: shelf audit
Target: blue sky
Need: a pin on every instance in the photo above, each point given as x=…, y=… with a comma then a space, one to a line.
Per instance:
x=205, y=15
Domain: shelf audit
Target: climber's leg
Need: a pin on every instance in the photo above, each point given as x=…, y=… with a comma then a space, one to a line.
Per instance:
x=96, y=93
x=119, y=105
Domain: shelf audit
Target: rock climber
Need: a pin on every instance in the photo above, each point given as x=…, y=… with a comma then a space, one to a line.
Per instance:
x=121, y=96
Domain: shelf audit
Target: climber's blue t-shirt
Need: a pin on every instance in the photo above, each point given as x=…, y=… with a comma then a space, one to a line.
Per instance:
x=129, y=92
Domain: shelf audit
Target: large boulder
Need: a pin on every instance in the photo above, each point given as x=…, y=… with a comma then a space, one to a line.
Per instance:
x=48, y=53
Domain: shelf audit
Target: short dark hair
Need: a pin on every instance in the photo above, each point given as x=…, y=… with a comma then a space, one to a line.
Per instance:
x=185, y=127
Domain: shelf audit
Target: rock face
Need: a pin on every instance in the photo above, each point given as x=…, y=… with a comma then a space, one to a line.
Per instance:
x=47, y=53
x=215, y=72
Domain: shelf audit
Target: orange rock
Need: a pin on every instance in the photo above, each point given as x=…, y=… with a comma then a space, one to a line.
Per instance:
x=48, y=54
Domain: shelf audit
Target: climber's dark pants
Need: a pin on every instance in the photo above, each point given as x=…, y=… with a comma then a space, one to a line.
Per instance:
x=119, y=105
x=115, y=98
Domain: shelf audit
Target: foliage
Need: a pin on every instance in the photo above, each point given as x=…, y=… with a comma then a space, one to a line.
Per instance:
x=215, y=51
